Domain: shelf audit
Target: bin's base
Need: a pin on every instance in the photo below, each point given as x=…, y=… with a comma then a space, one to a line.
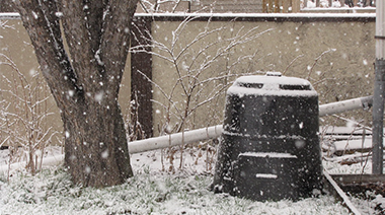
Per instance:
x=266, y=177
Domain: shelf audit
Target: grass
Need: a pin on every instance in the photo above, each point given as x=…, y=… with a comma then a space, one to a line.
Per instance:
x=51, y=192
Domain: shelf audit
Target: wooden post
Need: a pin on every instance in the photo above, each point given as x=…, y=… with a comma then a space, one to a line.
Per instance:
x=379, y=95
x=264, y=6
x=141, y=88
x=276, y=6
x=285, y=6
x=270, y=6
x=296, y=6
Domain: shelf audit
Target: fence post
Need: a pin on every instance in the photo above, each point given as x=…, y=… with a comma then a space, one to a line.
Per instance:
x=296, y=6
x=276, y=8
x=270, y=8
x=141, y=89
x=285, y=6
x=264, y=8
x=379, y=91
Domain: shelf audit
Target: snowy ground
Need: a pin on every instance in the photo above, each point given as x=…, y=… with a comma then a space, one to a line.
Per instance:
x=153, y=191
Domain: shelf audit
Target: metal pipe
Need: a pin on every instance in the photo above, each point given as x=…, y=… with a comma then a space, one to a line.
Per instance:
x=216, y=131
x=346, y=105
x=379, y=85
x=175, y=139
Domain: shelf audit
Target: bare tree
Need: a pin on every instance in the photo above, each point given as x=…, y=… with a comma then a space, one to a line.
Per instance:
x=203, y=68
x=85, y=83
x=198, y=73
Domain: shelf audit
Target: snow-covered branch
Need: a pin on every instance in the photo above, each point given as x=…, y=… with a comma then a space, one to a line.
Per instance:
x=24, y=114
x=202, y=68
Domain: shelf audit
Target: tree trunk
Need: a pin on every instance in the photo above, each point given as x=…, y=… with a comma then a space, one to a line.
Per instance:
x=96, y=151
x=85, y=86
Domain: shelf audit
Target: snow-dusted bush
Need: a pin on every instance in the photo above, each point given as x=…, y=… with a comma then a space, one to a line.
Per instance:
x=24, y=115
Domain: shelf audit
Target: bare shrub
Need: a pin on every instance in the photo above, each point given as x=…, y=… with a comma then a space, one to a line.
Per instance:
x=198, y=73
x=24, y=113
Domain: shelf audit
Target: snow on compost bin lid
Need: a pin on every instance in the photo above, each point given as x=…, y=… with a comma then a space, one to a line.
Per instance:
x=273, y=83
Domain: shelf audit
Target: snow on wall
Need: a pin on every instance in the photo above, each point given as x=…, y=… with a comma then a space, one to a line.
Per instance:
x=9, y=16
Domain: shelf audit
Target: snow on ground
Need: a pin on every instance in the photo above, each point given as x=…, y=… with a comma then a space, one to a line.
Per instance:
x=150, y=191
x=50, y=192
x=160, y=188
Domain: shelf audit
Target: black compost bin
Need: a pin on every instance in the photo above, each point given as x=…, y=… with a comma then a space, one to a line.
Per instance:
x=270, y=148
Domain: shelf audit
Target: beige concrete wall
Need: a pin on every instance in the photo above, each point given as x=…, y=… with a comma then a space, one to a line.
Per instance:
x=25, y=113
x=337, y=57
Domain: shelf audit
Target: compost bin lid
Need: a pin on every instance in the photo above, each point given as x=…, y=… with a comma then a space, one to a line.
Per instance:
x=273, y=83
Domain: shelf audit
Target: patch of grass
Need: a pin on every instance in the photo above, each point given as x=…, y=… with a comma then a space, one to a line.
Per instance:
x=52, y=192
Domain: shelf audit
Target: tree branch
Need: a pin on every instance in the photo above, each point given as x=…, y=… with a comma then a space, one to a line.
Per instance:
x=115, y=40
x=42, y=24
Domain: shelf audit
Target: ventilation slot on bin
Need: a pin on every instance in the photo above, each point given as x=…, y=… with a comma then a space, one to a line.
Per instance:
x=251, y=85
x=294, y=87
